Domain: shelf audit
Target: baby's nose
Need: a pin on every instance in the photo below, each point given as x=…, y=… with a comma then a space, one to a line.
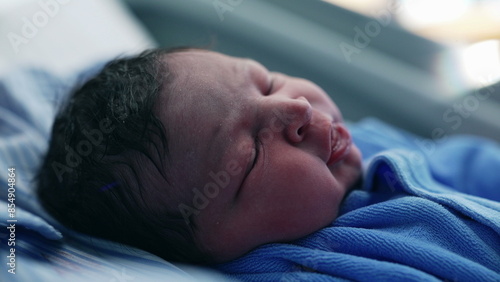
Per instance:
x=297, y=113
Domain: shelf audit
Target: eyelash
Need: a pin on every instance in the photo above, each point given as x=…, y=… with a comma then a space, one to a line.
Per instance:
x=254, y=162
x=257, y=151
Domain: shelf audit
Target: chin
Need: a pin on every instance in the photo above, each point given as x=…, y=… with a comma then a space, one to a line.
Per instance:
x=355, y=161
x=349, y=170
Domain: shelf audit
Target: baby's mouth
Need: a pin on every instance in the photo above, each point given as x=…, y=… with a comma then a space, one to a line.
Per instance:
x=340, y=143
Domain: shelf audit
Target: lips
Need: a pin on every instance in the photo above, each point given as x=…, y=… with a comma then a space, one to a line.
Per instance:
x=340, y=143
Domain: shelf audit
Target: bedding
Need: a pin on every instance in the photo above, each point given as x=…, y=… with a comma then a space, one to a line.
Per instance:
x=427, y=210
x=29, y=99
x=44, y=250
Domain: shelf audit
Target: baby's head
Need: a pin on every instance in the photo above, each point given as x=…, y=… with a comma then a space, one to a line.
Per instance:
x=197, y=156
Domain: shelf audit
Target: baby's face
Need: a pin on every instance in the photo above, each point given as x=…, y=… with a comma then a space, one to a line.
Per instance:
x=263, y=157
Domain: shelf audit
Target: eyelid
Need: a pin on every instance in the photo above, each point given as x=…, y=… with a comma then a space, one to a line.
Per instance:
x=271, y=86
x=254, y=162
x=257, y=151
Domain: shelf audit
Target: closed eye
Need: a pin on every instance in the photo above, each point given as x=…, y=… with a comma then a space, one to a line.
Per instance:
x=251, y=163
x=257, y=150
x=270, y=88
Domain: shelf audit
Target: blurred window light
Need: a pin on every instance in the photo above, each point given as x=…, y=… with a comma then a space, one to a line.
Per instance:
x=439, y=20
x=364, y=7
x=462, y=69
x=419, y=13
x=480, y=63
x=469, y=29
x=452, y=21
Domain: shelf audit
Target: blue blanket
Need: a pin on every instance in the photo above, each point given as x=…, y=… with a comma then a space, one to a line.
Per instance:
x=427, y=210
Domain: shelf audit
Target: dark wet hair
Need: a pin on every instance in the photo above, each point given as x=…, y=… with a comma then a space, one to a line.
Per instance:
x=105, y=145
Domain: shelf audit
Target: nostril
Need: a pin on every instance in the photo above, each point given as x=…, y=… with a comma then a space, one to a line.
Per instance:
x=300, y=131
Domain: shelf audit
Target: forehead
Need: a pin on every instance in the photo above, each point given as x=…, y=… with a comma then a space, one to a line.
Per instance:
x=211, y=70
x=206, y=84
x=204, y=80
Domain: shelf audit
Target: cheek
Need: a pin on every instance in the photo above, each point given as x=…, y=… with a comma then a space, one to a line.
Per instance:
x=289, y=199
x=295, y=198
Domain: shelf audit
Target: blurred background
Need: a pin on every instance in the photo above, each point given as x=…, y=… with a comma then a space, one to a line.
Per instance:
x=431, y=67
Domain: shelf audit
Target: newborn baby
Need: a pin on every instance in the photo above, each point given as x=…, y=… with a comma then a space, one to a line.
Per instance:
x=197, y=156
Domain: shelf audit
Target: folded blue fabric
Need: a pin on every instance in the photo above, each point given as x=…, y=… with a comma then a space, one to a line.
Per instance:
x=410, y=221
